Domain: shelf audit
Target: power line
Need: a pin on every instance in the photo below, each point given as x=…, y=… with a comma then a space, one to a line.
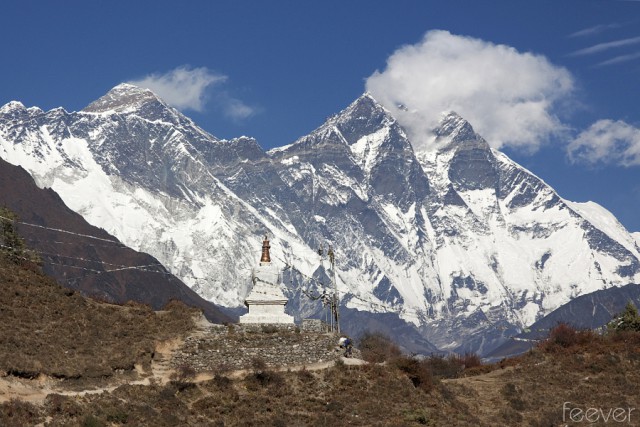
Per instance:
x=120, y=267
x=36, y=239
x=117, y=244
x=95, y=261
x=59, y=230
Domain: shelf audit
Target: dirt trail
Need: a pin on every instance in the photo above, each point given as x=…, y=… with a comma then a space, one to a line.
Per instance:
x=36, y=390
x=482, y=393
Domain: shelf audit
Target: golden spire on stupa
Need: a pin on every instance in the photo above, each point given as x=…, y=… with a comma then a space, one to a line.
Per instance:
x=266, y=257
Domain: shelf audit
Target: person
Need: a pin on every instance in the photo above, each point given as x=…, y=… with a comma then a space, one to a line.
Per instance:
x=346, y=344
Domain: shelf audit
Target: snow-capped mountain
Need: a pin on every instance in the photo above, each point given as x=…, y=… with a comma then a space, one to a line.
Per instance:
x=459, y=242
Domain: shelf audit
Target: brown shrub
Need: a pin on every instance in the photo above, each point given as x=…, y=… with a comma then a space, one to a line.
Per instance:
x=376, y=347
x=445, y=367
x=263, y=377
x=183, y=373
x=471, y=360
x=565, y=336
x=416, y=370
x=513, y=395
x=305, y=376
x=18, y=413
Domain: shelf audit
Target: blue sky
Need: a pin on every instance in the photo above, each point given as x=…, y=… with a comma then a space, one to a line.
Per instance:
x=554, y=84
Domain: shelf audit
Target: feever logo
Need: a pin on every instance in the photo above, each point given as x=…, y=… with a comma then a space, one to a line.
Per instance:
x=577, y=414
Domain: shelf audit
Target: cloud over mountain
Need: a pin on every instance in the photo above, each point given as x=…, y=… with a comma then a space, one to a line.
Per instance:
x=509, y=96
x=183, y=87
x=187, y=88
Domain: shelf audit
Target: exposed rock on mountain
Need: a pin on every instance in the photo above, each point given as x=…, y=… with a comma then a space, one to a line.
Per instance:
x=458, y=242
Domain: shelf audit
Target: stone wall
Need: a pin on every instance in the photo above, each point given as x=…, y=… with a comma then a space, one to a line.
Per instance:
x=234, y=347
x=314, y=325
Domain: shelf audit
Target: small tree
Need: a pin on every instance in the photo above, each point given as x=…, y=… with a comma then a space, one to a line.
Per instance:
x=628, y=320
x=11, y=244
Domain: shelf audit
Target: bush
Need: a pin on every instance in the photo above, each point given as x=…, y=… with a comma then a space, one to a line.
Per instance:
x=417, y=371
x=183, y=373
x=420, y=416
x=18, y=413
x=264, y=377
x=445, y=367
x=513, y=395
x=91, y=421
x=305, y=376
x=565, y=336
x=376, y=347
x=471, y=360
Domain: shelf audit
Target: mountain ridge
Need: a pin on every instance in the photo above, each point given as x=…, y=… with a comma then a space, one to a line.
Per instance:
x=460, y=242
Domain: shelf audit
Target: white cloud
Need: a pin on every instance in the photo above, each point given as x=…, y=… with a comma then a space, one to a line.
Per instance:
x=508, y=96
x=596, y=29
x=620, y=59
x=183, y=88
x=188, y=88
x=607, y=142
x=601, y=47
x=236, y=109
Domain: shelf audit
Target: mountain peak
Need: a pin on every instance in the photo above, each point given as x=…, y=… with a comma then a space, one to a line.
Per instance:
x=364, y=116
x=365, y=106
x=452, y=124
x=455, y=131
x=12, y=105
x=123, y=98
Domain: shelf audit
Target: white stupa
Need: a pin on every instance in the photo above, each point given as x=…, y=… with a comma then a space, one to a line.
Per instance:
x=266, y=301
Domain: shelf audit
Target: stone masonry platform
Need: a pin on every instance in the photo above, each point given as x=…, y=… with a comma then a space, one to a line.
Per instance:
x=221, y=348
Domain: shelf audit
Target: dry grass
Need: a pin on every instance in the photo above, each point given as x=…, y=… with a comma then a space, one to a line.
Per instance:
x=337, y=396
x=48, y=329
x=601, y=372
x=52, y=330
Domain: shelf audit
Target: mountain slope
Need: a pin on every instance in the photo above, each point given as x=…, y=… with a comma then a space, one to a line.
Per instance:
x=83, y=257
x=458, y=242
x=590, y=311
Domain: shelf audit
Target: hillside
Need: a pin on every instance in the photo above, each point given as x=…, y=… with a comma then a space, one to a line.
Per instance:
x=68, y=360
x=590, y=311
x=86, y=258
x=541, y=388
x=54, y=331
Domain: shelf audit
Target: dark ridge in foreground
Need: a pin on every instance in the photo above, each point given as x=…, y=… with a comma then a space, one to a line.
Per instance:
x=96, y=268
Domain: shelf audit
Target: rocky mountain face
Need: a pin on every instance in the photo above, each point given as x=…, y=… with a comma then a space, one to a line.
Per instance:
x=458, y=244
